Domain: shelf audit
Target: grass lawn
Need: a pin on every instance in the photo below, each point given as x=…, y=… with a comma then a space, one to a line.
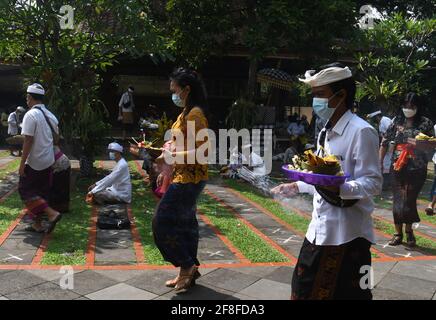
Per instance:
x=4, y=153
x=242, y=237
x=143, y=204
x=298, y=222
x=10, y=167
x=70, y=237
x=10, y=209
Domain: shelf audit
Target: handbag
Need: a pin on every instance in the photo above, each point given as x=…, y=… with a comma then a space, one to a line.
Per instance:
x=112, y=221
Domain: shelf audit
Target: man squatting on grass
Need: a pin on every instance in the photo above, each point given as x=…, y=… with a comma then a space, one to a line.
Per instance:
x=339, y=237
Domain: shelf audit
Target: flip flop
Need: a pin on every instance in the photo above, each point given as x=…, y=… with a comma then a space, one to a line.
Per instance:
x=32, y=229
x=52, y=224
x=429, y=211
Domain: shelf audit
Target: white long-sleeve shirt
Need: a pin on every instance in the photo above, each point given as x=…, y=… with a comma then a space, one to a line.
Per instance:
x=295, y=129
x=118, y=182
x=13, y=123
x=355, y=142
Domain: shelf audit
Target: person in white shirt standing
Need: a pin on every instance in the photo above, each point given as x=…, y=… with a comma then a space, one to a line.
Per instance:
x=115, y=187
x=383, y=123
x=430, y=208
x=338, y=240
x=39, y=129
x=14, y=126
x=126, y=107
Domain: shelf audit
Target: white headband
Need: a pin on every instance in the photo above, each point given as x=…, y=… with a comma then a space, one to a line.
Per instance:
x=36, y=88
x=326, y=76
x=371, y=115
x=115, y=147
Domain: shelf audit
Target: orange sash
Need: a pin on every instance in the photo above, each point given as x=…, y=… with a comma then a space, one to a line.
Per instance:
x=407, y=152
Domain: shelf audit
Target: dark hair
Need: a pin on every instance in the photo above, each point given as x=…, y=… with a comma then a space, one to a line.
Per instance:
x=415, y=100
x=132, y=88
x=38, y=97
x=197, y=96
x=349, y=85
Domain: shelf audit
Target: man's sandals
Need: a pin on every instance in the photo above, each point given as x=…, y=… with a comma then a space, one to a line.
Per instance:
x=52, y=224
x=429, y=211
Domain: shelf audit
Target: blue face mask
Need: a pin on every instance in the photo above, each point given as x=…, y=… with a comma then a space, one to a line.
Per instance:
x=177, y=100
x=112, y=155
x=321, y=108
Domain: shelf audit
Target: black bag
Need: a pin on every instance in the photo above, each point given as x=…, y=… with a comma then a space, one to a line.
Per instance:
x=113, y=221
x=126, y=105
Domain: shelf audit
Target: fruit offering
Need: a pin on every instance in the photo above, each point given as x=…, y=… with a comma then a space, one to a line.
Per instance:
x=423, y=137
x=311, y=163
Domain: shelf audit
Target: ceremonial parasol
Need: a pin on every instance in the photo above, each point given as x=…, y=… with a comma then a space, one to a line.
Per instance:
x=275, y=78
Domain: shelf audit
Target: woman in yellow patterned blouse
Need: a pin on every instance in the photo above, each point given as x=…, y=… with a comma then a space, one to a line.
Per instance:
x=175, y=226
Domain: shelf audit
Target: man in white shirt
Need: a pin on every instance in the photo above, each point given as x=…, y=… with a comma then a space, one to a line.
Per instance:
x=383, y=123
x=339, y=237
x=116, y=187
x=39, y=129
x=14, y=127
x=14, y=121
x=126, y=107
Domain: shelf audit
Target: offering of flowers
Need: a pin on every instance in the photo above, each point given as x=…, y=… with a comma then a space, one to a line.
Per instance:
x=311, y=163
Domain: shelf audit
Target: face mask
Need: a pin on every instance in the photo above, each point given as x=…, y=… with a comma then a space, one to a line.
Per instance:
x=112, y=155
x=177, y=100
x=321, y=108
x=409, y=113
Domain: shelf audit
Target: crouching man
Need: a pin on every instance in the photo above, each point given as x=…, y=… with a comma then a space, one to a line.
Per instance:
x=116, y=187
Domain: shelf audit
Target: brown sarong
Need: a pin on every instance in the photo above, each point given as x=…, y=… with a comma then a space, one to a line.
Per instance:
x=34, y=190
x=331, y=272
x=127, y=117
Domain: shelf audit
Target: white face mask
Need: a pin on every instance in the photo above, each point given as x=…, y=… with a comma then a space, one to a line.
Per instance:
x=409, y=113
x=112, y=155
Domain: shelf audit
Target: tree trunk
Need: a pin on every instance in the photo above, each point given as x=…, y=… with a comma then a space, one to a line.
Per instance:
x=252, y=71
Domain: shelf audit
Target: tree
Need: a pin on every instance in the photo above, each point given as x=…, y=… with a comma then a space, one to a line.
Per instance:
x=68, y=61
x=199, y=29
x=395, y=55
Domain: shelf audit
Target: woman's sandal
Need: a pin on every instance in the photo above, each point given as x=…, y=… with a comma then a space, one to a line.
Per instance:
x=172, y=283
x=411, y=240
x=396, y=240
x=186, y=281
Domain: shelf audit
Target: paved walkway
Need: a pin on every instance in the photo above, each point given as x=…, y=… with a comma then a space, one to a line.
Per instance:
x=115, y=269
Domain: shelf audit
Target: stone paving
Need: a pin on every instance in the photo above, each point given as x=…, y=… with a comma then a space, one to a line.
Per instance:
x=400, y=274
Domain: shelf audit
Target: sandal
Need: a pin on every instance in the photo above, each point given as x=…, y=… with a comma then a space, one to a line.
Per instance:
x=32, y=229
x=411, y=240
x=186, y=281
x=429, y=211
x=172, y=283
x=52, y=224
x=396, y=240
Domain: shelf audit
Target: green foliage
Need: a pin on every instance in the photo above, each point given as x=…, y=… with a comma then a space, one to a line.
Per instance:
x=242, y=114
x=199, y=29
x=396, y=52
x=67, y=62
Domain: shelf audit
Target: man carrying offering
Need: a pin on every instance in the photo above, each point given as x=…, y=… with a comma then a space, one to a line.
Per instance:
x=335, y=255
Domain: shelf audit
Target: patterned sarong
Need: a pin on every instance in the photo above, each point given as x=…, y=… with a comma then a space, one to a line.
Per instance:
x=34, y=190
